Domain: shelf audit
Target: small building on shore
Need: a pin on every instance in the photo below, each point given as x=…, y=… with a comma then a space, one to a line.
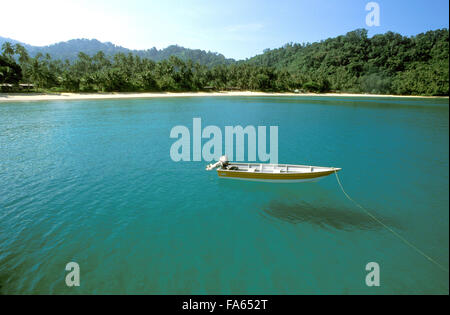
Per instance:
x=27, y=86
x=9, y=87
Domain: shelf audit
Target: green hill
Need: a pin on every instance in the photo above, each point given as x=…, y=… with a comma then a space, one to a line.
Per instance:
x=385, y=63
x=69, y=50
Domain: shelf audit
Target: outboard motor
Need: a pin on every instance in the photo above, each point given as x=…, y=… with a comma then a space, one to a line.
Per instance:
x=223, y=162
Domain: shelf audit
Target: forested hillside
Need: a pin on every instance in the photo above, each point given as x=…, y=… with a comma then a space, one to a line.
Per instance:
x=383, y=64
x=387, y=63
x=69, y=50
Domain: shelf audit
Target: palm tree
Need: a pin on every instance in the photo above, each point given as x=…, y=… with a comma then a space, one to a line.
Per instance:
x=23, y=54
x=8, y=50
x=36, y=71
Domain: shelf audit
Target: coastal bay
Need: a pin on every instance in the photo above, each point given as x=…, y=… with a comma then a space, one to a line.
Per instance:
x=92, y=182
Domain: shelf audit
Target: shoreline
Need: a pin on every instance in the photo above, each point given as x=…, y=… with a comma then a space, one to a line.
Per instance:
x=11, y=97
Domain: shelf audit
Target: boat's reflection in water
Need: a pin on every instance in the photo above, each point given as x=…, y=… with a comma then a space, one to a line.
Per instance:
x=323, y=216
x=303, y=203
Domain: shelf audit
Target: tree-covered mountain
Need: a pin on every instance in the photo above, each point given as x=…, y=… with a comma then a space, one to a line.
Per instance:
x=69, y=50
x=383, y=64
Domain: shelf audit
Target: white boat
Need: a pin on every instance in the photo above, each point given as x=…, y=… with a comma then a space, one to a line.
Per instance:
x=279, y=173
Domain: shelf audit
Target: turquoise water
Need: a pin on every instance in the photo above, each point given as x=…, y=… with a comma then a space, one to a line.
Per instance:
x=93, y=182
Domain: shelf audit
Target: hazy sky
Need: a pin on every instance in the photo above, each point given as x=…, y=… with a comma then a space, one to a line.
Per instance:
x=237, y=29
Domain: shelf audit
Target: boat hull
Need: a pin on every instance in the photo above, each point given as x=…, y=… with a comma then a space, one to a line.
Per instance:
x=274, y=177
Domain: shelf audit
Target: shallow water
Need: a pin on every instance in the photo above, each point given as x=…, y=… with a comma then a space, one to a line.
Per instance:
x=93, y=182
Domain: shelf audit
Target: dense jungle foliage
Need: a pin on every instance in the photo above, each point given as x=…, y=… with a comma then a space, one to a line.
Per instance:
x=383, y=64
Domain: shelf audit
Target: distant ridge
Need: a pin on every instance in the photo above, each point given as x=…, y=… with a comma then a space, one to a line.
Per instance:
x=70, y=49
x=388, y=63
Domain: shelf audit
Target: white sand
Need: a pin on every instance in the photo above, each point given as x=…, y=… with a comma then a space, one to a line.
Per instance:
x=8, y=97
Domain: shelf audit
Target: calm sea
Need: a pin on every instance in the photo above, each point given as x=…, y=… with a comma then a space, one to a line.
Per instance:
x=92, y=182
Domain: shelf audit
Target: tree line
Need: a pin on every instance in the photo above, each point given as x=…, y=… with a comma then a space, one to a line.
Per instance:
x=384, y=64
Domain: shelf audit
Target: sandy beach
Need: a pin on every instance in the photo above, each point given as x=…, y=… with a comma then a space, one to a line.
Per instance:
x=10, y=97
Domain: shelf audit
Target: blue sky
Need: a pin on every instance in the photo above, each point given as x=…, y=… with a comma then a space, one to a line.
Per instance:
x=237, y=29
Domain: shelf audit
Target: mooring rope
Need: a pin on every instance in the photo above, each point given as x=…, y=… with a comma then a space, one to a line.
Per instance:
x=389, y=229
